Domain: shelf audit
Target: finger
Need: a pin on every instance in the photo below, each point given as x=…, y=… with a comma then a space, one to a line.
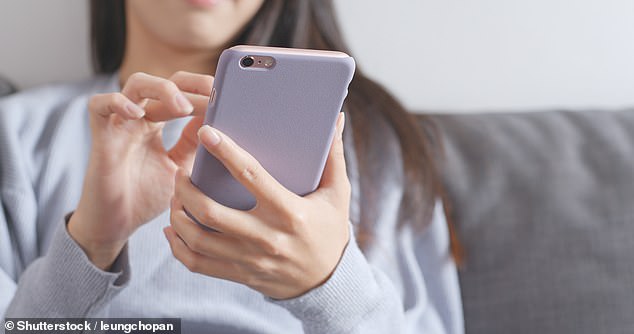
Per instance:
x=183, y=152
x=211, y=213
x=155, y=110
x=199, y=263
x=141, y=86
x=209, y=243
x=334, y=180
x=105, y=105
x=244, y=167
x=196, y=87
x=200, y=84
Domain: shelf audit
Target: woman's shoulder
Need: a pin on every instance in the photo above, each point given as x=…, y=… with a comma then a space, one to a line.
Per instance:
x=30, y=118
x=42, y=122
x=42, y=100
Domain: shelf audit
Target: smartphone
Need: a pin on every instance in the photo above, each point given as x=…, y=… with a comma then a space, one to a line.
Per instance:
x=281, y=106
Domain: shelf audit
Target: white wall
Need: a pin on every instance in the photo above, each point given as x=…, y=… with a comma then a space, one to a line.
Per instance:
x=433, y=54
x=44, y=41
x=481, y=54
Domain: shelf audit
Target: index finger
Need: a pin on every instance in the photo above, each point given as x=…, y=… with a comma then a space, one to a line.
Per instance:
x=200, y=84
x=196, y=88
x=142, y=86
x=244, y=167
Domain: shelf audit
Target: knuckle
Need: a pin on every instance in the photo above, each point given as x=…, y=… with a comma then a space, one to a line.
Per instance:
x=136, y=76
x=167, y=87
x=133, y=80
x=178, y=74
x=197, y=243
x=112, y=103
x=274, y=244
x=260, y=265
x=116, y=99
x=251, y=172
x=209, y=214
x=295, y=220
x=140, y=75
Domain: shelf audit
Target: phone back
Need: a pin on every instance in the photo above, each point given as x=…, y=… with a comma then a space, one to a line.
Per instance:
x=283, y=115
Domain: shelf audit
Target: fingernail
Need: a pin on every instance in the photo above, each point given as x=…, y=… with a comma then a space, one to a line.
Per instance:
x=208, y=135
x=134, y=110
x=184, y=103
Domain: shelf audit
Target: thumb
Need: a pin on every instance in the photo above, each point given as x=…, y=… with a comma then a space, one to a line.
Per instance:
x=182, y=153
x=334, y=179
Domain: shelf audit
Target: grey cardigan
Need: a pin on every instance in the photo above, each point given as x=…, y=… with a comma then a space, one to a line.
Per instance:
x=405, y=283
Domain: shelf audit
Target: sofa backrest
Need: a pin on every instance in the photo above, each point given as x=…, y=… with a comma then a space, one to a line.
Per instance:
x=6, y=87
x=544, y=206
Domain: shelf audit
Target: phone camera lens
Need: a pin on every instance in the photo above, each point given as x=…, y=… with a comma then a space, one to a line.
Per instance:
x=247, y=61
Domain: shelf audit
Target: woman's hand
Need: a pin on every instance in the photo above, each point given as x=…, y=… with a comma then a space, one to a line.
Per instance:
x=130, y=176
x=284, y=246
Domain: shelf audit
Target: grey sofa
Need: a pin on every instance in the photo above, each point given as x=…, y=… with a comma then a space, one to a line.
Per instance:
x=544, y=206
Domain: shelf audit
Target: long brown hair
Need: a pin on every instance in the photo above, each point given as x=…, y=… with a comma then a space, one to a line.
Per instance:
x=377, y=115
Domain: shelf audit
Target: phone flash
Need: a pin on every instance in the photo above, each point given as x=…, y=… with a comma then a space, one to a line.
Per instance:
x=268, y=62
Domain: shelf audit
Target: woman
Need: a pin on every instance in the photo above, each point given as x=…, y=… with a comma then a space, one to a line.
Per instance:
x=97, y=249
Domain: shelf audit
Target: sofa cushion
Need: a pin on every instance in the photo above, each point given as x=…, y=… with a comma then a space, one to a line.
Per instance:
x=544, y=206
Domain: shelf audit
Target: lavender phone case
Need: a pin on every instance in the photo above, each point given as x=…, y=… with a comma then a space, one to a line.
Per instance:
x=284, y=116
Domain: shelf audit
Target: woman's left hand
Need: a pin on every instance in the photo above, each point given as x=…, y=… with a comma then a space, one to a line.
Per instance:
x=283, y=247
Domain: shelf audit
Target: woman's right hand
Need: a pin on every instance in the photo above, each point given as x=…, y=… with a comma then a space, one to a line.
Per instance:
x=130, y=176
